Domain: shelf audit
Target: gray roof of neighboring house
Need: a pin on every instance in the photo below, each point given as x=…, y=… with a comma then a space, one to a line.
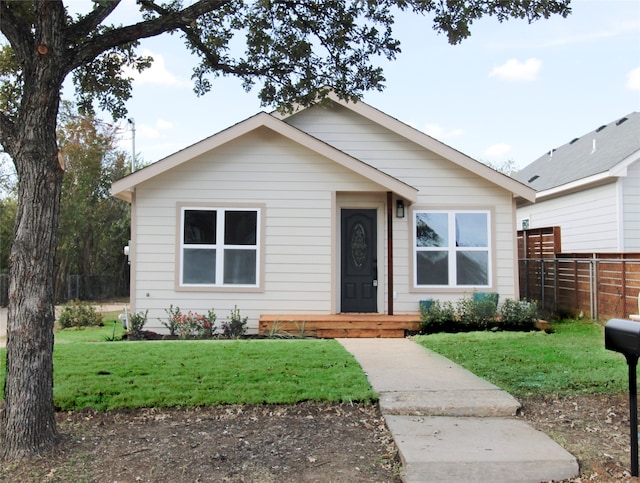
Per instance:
x=593, y=153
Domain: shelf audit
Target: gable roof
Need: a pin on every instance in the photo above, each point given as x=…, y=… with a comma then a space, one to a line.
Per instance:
x=275, y=121
x=124, y=187
x=595, y=157
x=424, y=140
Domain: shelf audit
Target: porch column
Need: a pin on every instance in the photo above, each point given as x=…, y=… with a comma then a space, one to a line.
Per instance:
x=390, y=252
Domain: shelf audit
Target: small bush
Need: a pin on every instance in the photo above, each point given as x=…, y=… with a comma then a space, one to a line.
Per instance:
x=478, y=313
x=190, y=325
x=437, y=318
x=172, y=320
x=235, y=326
x=79, y=314
x=136, y=324
x=475, y=313
x=518, y=315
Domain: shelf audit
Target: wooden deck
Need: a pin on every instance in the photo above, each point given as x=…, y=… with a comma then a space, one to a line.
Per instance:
x=332, y=326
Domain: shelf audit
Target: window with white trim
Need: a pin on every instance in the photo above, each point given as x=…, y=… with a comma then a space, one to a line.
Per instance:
x=220, y=247
x=452, y=248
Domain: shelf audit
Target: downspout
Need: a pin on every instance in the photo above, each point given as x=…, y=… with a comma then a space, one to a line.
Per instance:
x=390, y=252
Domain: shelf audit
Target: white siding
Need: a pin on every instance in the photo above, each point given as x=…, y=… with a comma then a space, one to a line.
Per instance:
x=631, y=204
x=441, y=184
x=295, y=185
x=302, y=194
x=587, y=219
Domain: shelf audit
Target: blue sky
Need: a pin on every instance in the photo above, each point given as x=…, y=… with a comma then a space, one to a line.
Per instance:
x=512, y=91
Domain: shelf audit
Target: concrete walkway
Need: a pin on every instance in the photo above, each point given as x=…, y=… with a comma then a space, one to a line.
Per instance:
x=450, y=425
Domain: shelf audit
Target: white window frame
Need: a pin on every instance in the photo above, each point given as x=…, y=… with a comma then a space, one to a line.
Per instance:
x=220, y=246
x=452, y=249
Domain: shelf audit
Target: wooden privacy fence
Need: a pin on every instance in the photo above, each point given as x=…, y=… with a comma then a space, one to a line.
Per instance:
x=599, y=285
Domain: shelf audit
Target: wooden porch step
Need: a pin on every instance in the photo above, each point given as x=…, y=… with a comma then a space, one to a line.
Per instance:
x=339, y=325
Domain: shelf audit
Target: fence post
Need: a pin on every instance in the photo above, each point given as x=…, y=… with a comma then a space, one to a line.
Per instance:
x=542, y=281
x=555, y=285
x=595, y=285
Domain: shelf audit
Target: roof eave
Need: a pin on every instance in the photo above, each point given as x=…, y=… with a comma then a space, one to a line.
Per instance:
x=519, y=190
x=124, y=187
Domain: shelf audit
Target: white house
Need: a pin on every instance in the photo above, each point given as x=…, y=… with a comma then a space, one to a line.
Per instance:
x=590, y=188
x=336, y=208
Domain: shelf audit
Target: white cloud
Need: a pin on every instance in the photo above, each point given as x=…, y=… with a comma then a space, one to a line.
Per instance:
x=610, y=31
x=441, y=133
x=633, y=80
x=164, y=125
x=497, y=150
x=515, y=70
x=146, y=131
x=156, y=74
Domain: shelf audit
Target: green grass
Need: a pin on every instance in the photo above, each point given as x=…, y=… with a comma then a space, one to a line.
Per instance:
x=90, y=372
x=571, y=360
x=113, y=375
x=112, y=329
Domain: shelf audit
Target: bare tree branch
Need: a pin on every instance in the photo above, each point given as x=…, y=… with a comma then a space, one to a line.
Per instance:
x=94, y=46
x=16, y=30
x=87, y=24
x=7, y=132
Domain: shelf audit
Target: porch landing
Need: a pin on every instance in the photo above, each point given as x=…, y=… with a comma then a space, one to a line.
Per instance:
x=333, y=326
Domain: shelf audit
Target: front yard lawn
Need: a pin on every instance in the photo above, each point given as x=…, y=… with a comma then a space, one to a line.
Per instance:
x=570, y=360
x=113, y=375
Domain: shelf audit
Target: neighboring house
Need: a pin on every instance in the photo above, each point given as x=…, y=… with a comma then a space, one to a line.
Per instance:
x=335, y=208
x=590, y=188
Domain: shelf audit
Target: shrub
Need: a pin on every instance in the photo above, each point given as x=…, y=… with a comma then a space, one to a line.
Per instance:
x=518, y=315
x=476, y=313
x=190, y=325
x=235, y=326
x=437, y=318
x=136, y=324
x=172, y=320
x=79, y=314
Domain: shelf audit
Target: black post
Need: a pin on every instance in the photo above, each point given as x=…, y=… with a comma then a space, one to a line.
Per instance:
x=632, y=361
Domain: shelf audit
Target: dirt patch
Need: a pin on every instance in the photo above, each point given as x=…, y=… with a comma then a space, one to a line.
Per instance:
x=306, y=442
x=594, y=428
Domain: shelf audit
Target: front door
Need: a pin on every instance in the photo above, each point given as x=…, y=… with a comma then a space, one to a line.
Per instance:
x=359, y=264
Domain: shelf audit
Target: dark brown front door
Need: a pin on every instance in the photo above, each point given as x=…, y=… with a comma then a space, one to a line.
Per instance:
x=358, y=262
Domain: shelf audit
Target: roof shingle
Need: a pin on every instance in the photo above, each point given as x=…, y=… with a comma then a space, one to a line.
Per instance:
x=593, y=153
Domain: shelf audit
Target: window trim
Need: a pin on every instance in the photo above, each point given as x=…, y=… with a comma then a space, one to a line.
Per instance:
x=452, y=250
x=259, y=208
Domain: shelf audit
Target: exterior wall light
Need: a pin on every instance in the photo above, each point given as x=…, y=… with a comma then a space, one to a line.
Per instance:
x=400, y=209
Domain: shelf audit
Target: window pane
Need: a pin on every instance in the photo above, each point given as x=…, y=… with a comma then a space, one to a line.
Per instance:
x=240, y=267
x=431, y=230
x=471, y=230
x=199, y=227
x=473, y=268
x=433, y=268
x=199, y=266
x=240, y=227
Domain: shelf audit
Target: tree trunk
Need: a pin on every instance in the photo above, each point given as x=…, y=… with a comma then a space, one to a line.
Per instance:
x=27, y=421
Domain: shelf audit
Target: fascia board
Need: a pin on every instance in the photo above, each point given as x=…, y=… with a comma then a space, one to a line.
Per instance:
x=620, y=169
x=617, y=171
x=578, y=185
x=517, y=188
x=123, y=188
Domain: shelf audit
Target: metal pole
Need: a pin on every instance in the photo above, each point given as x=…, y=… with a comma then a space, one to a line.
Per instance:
x=632, y=361
x=132, y=121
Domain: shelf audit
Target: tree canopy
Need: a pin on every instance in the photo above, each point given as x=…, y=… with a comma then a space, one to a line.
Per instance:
x=292, y=50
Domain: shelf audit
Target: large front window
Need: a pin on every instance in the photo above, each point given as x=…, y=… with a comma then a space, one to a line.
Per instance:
x=452, y=248
x=220, y=246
